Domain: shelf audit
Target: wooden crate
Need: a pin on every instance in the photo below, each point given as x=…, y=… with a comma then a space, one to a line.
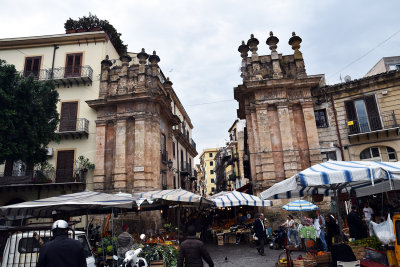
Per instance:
x=323, y=260
x=304, y=263
x=159, y=263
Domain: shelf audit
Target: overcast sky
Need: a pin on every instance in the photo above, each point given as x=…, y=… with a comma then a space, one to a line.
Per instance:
x=197, y=41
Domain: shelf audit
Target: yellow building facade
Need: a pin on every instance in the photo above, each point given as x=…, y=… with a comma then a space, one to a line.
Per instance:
x=208, y=178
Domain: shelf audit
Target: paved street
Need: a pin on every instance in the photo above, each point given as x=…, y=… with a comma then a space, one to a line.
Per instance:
x=243, y=255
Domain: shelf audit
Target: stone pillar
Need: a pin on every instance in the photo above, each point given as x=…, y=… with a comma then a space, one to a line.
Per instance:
x=120, y=155
x=139, y=157
x=312, y=133
x=154, y=59
x=295, y=42
x=301, y=135
x=251, y=143
x=142, y=56
x=105, y=69
x=275, y=125
x=130, y=153
x=123, y=75
x=272, y=42
x=99, y=174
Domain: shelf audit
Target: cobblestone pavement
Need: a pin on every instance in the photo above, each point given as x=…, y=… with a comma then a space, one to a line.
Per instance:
x=243, y=255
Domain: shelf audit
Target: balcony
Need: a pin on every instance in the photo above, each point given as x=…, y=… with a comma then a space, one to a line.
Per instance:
x=71, y=75
x=186, y=169
x=73, y=128
x=37, y=177
x=386, y=122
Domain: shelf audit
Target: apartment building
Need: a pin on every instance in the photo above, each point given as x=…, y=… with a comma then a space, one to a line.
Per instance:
x=207, y=184
x=117, y=111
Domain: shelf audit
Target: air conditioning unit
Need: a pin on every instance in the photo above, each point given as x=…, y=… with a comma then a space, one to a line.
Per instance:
x=50, y=151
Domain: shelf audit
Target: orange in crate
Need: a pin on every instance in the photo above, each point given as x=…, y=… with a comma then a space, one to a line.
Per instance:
x=310, y=243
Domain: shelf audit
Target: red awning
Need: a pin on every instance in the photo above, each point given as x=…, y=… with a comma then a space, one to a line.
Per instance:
x=244, y=188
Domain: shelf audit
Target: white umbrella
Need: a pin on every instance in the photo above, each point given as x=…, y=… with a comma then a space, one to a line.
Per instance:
x=174, y=196
x=299, y=205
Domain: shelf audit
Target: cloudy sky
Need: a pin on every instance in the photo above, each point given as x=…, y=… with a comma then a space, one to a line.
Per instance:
x=197, y=41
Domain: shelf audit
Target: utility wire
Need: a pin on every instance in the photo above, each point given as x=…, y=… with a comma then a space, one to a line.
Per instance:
x=208, y=103
x=354, y=61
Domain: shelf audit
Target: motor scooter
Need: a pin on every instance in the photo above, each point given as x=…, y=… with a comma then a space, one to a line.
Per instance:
x=277, y=241
x=131, y=258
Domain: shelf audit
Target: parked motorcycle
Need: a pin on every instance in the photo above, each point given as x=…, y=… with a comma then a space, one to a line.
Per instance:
x=131, y=258
x=277, y=240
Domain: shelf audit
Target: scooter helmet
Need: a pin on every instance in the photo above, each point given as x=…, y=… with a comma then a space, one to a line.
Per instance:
x=59, y=224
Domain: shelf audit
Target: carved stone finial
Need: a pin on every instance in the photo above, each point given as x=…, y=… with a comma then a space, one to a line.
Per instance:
x=142, y=56
x=154, y=59
x=168, y=83
x=125, y=58
x=106, y=62
x=272, y=41
x=252, y=44
x=243, y=49
x=295, y=42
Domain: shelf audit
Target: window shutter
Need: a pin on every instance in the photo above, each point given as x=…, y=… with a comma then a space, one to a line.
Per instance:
x=373, y=113
x=352, y=116
x=65, y=166
x=68, y=116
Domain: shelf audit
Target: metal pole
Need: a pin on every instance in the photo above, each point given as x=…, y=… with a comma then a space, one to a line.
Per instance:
x=179, y=219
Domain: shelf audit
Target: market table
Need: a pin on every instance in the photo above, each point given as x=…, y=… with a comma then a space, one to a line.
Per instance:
x=369, y=263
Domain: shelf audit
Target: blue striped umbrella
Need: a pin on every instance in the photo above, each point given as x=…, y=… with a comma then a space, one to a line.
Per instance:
x=235, y=198
x=300, y=205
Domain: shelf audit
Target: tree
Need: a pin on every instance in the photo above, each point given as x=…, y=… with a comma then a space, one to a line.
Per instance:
x=28, y=118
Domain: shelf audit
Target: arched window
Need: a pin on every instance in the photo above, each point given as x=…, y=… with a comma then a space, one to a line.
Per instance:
x=371, y=153
x=381, y=153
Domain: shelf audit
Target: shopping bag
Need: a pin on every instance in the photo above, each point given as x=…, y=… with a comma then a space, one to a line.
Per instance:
x=385, y=231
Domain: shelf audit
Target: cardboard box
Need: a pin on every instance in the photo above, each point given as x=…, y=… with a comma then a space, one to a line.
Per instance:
x=220, y=239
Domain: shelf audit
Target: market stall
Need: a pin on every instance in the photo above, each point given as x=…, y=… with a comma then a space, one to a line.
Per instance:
x=234, y=230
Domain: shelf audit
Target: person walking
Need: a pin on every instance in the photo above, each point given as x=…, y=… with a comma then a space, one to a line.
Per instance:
x=192, y=251
x=319, y=225
x=61, y=251
x=332, y=230
x=125, y=241
x=259, y=230
x=368, y=215
x=356, y=226
x=292, y=230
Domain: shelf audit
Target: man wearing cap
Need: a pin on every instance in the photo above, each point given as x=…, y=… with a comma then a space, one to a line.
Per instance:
x=61, y=251
x=125, y=241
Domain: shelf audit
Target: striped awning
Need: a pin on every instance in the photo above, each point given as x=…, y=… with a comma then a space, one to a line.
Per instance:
x=235, y=198
x=299, y=205
x=332, y=177
x=173, y=195
x=76, y=204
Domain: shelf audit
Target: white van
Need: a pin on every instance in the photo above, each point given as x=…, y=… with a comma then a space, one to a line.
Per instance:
x=22, y=247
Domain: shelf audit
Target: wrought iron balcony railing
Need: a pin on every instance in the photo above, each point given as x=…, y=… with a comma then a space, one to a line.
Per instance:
x=386, y=121
x=79, y=127
x=43, y=177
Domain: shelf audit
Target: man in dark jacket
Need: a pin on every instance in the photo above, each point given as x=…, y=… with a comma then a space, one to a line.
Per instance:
x=356, y=226
x=62, y=251
x=192, y=251
x=259, y=229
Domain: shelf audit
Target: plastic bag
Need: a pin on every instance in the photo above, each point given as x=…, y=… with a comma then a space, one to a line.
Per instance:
x=385, y=231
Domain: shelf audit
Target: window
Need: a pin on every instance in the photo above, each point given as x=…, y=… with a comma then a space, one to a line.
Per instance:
x=363, y=115
x=210, y=155
x=32, y=66
x=212, y=172
x=164, y=155
x=68, y=116
x=391, y=154
x=394, y=67
x=73, y=65
x=211, y=163
x=328, y=155
x=320, y=118
x=371, y=153
x=173, y=149
x=212, y=180
x=213, y=189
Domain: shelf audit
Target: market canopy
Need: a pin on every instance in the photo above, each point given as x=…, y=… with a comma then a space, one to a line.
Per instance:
x=331, y=177
x=235, y=198
x=299, y=205
x=75, y=204
x=178, y=196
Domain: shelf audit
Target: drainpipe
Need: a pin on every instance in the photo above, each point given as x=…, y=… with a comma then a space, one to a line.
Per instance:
x=52, y=64
x=337, y=127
